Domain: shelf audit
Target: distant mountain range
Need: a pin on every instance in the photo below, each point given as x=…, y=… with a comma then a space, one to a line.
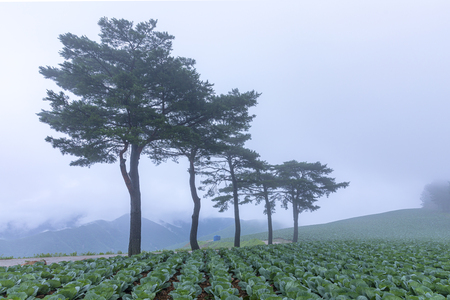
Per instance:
x=103, y=236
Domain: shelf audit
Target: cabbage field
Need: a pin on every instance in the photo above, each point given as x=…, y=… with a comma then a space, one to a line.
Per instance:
x=308, y=270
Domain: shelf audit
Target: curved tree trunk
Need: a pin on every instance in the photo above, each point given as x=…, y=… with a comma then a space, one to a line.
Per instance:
x=296, y=212
x=269, y=215
x=196, y=213
x=237, y=221
x=132, y=182
x=270, y=230
x=269, y=221
x=237, y=224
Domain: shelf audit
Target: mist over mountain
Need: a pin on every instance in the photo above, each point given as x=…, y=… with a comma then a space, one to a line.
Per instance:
x=14, y=231
x=102, y=236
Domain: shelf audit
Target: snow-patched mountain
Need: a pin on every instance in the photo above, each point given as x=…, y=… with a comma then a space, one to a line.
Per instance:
x=13, y=231
x=102, y=236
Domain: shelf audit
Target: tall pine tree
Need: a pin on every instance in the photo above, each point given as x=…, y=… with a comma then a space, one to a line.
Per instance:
x=229, y=115
x=130, y=93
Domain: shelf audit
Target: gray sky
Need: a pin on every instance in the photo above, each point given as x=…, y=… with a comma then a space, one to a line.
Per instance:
x=362, y=86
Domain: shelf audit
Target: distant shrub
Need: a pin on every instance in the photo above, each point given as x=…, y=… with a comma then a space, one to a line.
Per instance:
x=436, y=196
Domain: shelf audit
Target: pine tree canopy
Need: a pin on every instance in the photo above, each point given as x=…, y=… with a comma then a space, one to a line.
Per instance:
x=304, y=183
x=127, y=90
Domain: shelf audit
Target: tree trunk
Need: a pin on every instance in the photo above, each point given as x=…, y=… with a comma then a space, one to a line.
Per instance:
x=269, y=221
x=269, y=215
x=196, y=213
x=132, y=182
x=295, y=209
x=237, y=224
x=237, y=221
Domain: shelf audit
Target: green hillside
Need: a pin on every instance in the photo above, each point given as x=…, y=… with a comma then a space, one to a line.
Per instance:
x=247, y=227
x=405, y=224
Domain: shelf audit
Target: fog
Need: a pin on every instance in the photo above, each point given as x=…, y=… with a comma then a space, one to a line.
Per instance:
x=360, y=86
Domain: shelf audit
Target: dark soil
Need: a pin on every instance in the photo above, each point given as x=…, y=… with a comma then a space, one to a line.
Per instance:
x=242, y=293
x=164, y=294
x=204, y=295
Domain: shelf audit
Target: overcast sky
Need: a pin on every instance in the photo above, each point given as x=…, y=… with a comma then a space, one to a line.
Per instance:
x=363, y=86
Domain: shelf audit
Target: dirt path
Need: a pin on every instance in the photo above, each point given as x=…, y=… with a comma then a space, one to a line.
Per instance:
x=49, y=260
x=278, y=241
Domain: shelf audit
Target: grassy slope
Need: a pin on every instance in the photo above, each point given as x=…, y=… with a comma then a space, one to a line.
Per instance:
x=247, y=227
x=395, y=225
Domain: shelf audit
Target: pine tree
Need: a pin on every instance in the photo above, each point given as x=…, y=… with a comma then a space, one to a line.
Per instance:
x=302, y=184
x=226, y=168
x=261, y=184
x=131, y=93
x=229, y=114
